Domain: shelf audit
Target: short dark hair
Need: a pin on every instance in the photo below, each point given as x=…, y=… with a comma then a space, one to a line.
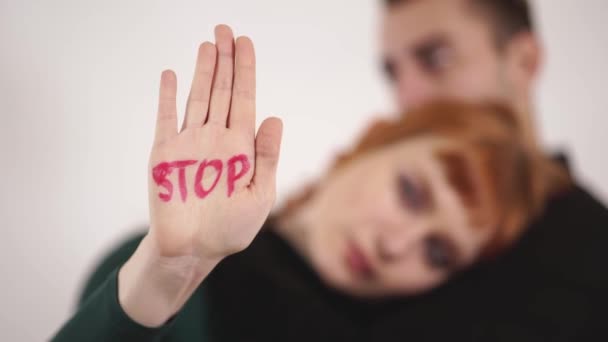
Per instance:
x=508, y=17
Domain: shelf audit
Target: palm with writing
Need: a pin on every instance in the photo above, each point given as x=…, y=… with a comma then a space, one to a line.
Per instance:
x=212, y=184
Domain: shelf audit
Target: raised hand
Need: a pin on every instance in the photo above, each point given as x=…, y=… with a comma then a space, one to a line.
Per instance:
x=211, y=185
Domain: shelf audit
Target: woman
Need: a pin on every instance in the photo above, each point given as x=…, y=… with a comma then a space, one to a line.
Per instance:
x=421, y=199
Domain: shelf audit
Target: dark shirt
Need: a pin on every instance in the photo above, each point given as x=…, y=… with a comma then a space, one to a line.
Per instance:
x=551, y=286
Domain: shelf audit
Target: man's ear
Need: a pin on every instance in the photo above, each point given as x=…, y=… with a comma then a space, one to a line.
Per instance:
x=524, y=57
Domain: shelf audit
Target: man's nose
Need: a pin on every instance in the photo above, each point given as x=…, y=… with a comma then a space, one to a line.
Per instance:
x=413, y=89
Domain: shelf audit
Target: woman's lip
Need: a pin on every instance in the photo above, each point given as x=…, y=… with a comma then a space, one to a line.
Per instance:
x=357, y=262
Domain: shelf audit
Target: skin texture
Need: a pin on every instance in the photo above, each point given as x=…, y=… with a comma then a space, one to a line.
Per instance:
x=432, y=49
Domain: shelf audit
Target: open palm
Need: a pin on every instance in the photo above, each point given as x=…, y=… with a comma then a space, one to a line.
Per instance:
x=212, y=184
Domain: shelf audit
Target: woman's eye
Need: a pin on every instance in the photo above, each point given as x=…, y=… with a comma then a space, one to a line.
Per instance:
x=438, y=253
x=412, y=194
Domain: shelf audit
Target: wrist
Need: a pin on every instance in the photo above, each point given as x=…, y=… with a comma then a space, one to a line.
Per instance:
x=152, y=288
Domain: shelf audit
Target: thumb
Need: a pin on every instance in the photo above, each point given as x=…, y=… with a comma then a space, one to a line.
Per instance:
x=267, y=147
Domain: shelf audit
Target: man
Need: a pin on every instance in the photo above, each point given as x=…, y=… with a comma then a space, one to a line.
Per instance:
x=551, y=286
x=473, y=49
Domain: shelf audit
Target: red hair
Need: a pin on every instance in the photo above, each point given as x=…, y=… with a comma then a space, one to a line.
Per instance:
x=502, y=180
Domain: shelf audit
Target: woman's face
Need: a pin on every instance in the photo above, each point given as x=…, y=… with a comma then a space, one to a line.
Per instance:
x=391, y=222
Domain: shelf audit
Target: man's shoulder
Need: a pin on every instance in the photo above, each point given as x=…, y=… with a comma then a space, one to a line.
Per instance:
x=575, y=215
x=576, y=203
x=577, y=200
x=569, y=240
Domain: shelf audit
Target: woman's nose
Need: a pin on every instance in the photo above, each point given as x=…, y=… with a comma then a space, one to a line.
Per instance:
x=395, y=243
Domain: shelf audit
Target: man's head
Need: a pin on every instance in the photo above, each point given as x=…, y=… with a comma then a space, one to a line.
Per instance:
x=471, y=49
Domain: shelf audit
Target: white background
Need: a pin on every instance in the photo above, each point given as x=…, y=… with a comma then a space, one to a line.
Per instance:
x=78, y=87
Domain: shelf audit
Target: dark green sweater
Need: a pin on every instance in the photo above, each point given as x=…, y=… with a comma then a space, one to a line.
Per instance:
x=101, y=318
x=551, y=286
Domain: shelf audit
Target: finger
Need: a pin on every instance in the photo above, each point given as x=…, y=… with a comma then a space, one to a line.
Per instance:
x=200, y=91
x=242, y=108
x=224, y=70
x=166, y=119
x=267, y=147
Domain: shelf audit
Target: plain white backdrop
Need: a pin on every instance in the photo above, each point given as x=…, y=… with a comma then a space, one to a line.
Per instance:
x=78, y=87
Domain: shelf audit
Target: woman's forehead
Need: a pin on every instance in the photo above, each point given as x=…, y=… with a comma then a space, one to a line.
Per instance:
x=451, y=164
